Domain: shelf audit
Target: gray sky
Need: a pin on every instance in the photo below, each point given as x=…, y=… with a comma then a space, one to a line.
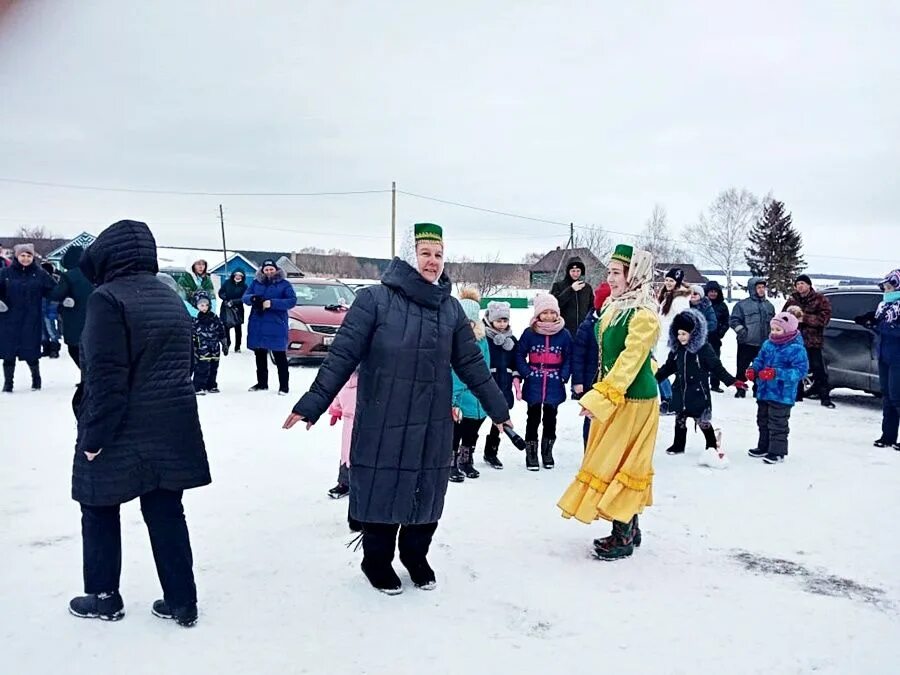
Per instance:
x=572, y=111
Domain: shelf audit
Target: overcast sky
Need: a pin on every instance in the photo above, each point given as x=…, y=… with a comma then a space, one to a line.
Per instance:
x=571, y=111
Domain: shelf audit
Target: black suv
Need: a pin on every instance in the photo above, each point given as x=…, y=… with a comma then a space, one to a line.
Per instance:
x=851, y=351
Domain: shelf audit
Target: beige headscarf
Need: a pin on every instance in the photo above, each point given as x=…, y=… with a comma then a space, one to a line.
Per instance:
x=639, y=289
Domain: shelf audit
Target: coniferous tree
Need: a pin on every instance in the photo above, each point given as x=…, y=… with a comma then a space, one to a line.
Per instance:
x=775, y=248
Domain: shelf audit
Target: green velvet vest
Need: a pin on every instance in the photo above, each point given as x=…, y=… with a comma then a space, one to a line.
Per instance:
x=612, y=344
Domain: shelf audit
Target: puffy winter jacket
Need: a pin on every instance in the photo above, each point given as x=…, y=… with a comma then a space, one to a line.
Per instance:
x=751, y=316
x=232, y=296
x=405, y=335
x=503, y=367
x=586, y=353
x=138, y=404
x=190, y=284
x=573, y=305
x=723, y=315
x=816, y=315
x=209, y=336
x=23, y=290
x=463, y=398
x=545, y=363
x=268, y=328
x=705, y=308
x=791, y=365
x=72, y=284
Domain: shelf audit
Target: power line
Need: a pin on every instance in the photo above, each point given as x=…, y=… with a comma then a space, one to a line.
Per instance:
x=482, y=209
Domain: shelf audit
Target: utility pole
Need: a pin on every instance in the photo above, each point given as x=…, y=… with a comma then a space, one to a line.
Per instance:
x=569, y=244
x=224, y=248
x=393, y=219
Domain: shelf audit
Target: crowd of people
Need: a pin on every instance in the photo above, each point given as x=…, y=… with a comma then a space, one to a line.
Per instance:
x=413, y=374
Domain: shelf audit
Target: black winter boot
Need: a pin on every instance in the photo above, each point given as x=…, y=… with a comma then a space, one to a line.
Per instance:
x=103, y=606
x=456, y=476
x=531, y=456
x=466, y=463
x=710, y=435
x=491, y=447
x=619, y=545
x=547, y=452
x=413, y=544
x=677, y=447
x=183, y=616
x=379, y=541
x=35, y=376
x=9, y=371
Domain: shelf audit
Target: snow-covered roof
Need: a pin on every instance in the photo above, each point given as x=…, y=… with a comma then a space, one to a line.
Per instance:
x=183, y=258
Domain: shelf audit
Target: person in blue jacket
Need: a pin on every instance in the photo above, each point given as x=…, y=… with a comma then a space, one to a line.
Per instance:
x=704, y=305
x=885, y=321
x=270, y=296
x=502, y=346
x=586, y=352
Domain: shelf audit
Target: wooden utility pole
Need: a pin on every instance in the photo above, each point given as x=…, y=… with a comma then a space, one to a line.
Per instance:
x=224, y=248
x=393, y=219
x=569, y=244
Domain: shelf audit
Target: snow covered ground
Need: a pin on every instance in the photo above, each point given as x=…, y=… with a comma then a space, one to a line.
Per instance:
x=757, y=569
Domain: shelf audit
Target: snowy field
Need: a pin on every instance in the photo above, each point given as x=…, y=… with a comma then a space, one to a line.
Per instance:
x=756, y=569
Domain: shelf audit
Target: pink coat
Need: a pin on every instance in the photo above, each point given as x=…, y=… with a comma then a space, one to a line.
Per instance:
x=345, y=407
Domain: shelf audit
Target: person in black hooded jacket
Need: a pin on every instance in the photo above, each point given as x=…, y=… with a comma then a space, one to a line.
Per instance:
x=714, y=293
x=72, y=293
x=139, y=432
x=574, y=294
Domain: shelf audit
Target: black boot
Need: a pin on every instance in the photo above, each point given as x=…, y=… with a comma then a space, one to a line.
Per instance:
x=35, y=376
x=677, y=447
x=740, y=393
x=547, y=452
x=531, y=456
x=466, y=463
x=379, y=540
x=183, y=616
x=54, y=350
x=826, y=401
x=413, y=544
x=9, y=371
x=636, y=535
x=456, y=476
x=103, y=606
x=491, y=447
x=710, y=435
x=619, y=545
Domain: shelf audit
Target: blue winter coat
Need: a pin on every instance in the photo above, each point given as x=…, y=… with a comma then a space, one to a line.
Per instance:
x=22, y=325
x=503, y=368
x=463, y=397
x=888, y=341
x=545, y=362
x=791, y=365
x=586, y=353
x=268, y=328
x=405, y=335
x=705, y=307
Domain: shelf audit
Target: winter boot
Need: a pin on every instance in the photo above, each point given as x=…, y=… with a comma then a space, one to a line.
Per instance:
x=740, y=393
x=338, y=491
x=531, y=456
x=607, y=541
x=9, y=371
x=466, y=464
x=677, y=447
x=710, y=435
x=259, y=387
x=491, y=446
x=379, y=541
x=103, y=606
x=183, y=616
x=827, y=402
x=54, y=350
x=35, y=376
x=456, y=476
x=619, y=545
x=413, y=544
x=547, y=452
x=45, y=349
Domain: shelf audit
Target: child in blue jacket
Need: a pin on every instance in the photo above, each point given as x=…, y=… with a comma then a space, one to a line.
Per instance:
x=777, y=370
x=502, y=346
x=544, y=359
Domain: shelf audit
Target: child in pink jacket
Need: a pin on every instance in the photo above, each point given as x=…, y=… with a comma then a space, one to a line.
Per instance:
x=344, y=408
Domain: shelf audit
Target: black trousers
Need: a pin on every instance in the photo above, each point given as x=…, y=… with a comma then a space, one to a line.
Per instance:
x=889, y=377
x=535, y=413
x=205, y=373
x=819, y=372
x=101, y=537
x=238, y=334
x=465, y=432
x=380, y=540
x=75, y=354
x=745, y=356
x=713, y=380
x=262, y=368
x=9, y=370
x=773, y=421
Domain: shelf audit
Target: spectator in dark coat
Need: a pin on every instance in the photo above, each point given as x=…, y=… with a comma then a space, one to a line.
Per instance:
x=574, y=294
x=723, y=316
x=502, y=346
x=750, y=322
x=232, y=312
x=405, y=335
x=23, y=287
x=138, y=429
x=270, y=296
x=816, y=315
x=586, y=352
x=210, y=341
x=702, y=304
x=72, y=293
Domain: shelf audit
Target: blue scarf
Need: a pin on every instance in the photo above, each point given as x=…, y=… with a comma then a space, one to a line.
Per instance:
x=889, y=309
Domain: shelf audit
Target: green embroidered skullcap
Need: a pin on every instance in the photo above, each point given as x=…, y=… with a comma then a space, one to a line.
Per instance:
x=428, y=232
x=623, y=254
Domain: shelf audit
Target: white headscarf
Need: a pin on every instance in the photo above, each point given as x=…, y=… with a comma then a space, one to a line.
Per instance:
x=639, y=287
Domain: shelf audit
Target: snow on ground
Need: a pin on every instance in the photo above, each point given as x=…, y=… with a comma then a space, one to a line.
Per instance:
x=757, y=569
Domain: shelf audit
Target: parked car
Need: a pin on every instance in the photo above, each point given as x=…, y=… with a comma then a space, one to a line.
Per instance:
x=321, y=307
x=851, y=351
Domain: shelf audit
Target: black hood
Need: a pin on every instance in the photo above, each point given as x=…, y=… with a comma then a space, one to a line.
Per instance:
x=698, y=330
x=401, y=276
x=123, y=249
x=72, y=257
x=231, y=278
x=715, y=286
x=576, y=262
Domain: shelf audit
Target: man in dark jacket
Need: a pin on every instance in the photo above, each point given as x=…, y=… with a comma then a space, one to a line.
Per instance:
x=750, y=322
x=405, y=336
x=138, y=430
x=574, y=294
x=816, y=315
x=723, y=316
x=73, y=292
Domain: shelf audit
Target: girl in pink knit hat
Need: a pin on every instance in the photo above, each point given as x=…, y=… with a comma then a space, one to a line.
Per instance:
x=544, y=362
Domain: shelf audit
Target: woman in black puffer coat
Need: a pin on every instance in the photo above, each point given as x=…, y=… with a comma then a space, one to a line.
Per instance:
x=138, y=428
x=405, y=335
x=232, y=312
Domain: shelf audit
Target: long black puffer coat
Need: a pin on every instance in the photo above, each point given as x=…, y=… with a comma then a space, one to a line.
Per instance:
x=138, y=404
x=405, y=335
x=22, y=289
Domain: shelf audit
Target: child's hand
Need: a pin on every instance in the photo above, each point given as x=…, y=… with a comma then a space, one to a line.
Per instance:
x=517, y=385
x=767, y=374
x=750, y=374
x=578, y=389
x=334, y=419
x=740, y=386
x=456, y=413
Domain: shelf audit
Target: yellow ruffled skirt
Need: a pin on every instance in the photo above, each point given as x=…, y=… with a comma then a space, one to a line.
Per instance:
x=616, y=477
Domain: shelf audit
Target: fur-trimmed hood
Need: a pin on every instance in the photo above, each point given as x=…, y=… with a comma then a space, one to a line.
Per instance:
x=699, y=333
x=263, y=279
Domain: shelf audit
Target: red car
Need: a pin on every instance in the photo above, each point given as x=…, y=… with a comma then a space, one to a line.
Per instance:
x=321, y=307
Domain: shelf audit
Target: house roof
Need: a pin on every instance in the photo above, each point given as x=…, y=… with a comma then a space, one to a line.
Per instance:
x=288, y=266
x=84, y=240
x=551, y=261
x=217, y=267
x=43, y=247
x=256, y=257
x=691, y=273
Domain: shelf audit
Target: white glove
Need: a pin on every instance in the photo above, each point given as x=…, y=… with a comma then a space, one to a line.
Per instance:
x=3, y=307
x=68, y=302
